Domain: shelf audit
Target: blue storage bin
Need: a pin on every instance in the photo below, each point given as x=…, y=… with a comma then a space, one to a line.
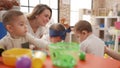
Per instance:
x=101, y=25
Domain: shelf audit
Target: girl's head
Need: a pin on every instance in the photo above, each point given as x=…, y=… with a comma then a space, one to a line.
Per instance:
x=15, y=22
x=41, y=13
x=82, y=29
x=57, y=32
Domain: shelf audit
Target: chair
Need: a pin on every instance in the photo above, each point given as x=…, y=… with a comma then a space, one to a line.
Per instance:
x=3, y=31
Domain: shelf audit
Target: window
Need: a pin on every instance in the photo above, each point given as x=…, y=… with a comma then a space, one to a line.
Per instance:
x=74, y=13
x=28, y=5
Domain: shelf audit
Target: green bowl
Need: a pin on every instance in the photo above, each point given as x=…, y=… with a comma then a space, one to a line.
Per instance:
x=64, y=55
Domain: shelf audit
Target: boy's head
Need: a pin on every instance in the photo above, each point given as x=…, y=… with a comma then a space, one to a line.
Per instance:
x=15, y=22
x=82, y=29
x=57, y=32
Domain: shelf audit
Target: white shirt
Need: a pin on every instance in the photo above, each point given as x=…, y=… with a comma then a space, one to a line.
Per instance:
x=93, y=45
x=40, y=31
x=8, y=42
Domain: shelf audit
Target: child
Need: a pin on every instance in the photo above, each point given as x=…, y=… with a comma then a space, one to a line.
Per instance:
x=15, y=23
x=57, y=33
x=89, y=43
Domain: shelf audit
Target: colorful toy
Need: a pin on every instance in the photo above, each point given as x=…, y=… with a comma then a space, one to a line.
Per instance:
x=23, y=62
x=38, y=59
x=106, y=56
x=10, y=56
x=82, y=56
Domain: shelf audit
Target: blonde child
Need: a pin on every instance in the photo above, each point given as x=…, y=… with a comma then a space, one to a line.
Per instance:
x=89, y=43
x=15, y=23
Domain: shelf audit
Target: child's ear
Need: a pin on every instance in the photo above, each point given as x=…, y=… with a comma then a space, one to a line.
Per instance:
x=36, y=16
x=84, y=32
x=9, y=28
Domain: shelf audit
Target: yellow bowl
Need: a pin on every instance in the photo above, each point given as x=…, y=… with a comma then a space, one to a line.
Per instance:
x=10, y=56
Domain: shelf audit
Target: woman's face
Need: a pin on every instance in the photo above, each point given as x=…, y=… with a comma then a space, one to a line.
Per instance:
x=44, y=17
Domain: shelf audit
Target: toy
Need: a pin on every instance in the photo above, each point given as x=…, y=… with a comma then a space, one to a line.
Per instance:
x=82, y=56
x=38, y=59
x=10, y=56
x=23, y=62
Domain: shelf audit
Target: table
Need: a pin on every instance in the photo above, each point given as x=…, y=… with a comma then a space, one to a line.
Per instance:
x=90, y=62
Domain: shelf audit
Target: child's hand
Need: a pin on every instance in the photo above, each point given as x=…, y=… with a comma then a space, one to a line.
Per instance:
x=66, y=25
x=106, y=49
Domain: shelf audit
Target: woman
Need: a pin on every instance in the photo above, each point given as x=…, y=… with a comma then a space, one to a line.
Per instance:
x=38, y=19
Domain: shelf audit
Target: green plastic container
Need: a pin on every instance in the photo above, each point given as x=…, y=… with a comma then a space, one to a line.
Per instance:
x=64, y=55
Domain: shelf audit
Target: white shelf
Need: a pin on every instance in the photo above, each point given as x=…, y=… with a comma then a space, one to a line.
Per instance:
x=101, y=28
x=104, y=23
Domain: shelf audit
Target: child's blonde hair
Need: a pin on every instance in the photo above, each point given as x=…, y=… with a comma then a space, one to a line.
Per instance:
x=83, y=25
x=57, y=27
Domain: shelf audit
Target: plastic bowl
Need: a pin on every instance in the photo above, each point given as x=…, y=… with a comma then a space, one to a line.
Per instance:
x=10, y=56
x=64, y=55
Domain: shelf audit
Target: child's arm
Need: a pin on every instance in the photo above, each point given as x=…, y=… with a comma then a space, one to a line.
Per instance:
x=37, y=42
x=112, y=53
x=66, y=25
x=2, y=43
x=68, y=29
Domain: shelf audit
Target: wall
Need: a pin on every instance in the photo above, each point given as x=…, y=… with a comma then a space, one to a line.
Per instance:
x=106, y=4
x=110, y=3
x=64, y=11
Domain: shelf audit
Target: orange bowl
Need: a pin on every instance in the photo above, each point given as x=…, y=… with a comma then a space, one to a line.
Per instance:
x=10, y=56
